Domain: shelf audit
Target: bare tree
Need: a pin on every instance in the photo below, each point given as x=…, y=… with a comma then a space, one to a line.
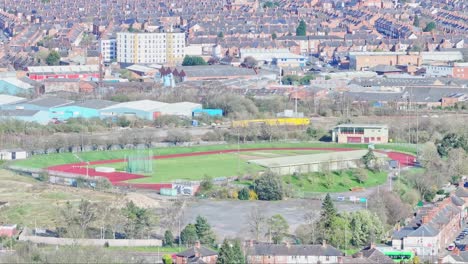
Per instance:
x=257, y=222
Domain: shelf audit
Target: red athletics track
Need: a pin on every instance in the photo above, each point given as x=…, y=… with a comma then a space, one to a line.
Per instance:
x=120, y=178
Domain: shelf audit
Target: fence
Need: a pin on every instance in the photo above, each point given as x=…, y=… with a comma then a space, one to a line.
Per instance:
x=90, y=242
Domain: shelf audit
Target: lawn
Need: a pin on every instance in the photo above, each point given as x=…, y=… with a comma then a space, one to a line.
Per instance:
x=340, y=181
x=194, y=168
x=46, y=160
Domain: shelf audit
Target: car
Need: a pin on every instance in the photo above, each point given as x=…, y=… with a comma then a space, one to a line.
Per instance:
x=451, y=247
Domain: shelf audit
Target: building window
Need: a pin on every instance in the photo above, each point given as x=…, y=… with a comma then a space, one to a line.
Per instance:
x=378, y=138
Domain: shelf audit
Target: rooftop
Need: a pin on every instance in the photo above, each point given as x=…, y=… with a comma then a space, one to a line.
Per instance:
x=313, y=158
x=143, y=105
x=266, y=249
x=376, y=126
x=9, y=99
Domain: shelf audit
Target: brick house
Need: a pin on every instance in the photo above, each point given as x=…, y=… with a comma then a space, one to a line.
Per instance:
x=265, y=253
x=197, y=254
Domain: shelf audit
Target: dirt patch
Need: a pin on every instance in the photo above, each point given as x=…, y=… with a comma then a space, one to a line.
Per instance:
x=142, y=200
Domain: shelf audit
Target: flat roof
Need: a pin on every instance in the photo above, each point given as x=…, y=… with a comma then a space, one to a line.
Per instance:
x=10, y=99
x=363, y=125
x=313, y=158
x=142, y=105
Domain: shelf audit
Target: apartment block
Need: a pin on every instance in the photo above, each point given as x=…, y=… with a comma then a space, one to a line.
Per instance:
x=108, y=48
x=165, y=48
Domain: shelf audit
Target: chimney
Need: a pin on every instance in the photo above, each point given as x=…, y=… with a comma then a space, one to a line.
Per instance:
x=251, y=243
x=372, y=245
x=324, y=243
x=340, y=259
x=197, y=244
x=440, y=260
x=360, y=255
x=288, y=245
x=425, y=219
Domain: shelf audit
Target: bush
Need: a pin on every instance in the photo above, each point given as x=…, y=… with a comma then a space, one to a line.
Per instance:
x=206, y=184
x=167, y=259
x=253, y=195
x=244, y=194
x=269, y=187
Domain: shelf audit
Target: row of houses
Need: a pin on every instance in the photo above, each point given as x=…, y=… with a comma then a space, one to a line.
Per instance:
x=52, y=109
x=266, y=253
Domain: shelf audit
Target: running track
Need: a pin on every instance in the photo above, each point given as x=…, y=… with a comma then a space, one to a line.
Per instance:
x=120, y=178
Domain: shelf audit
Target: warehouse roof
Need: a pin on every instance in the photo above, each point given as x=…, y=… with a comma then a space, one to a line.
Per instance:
x=313, y=158
x=142, y=105
x=9, y=99
x=18, y=83
x=264, y=249
x=215, y=71
x=50, y=102
x=93, y=104
x=13, y=113
x=378, y=126
x=63, y=69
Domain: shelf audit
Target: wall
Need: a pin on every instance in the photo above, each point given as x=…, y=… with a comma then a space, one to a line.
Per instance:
x=63, y=113
x=126, y=112
x=92, y=242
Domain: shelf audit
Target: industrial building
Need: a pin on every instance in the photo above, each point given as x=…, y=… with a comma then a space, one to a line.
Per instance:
x=86, y=109
x=39, y=116
x=13, y=154
x=165, y=47
x=150, y=110
x=10, y=99
x=314, y=163
x=14, y=86
x=39, y=73
x=360, y=133
x=43, y=104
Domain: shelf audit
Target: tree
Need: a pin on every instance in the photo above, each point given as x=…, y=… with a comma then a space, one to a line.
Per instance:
x=269, y=187
x=328, y=211
x=457, y=163
x=53, y=58
x=256, y=222
x=206, y=184
x=274, y=36
x=451, y=141
x=189, y=236
x=221, y=35
x=168, y=238
x=244, y=194
x=365, y=228
x=277, y=228
x=230, y=252
x=138, y=220
x=388, y=207
x=430, y=26
x=177, y=136
x=167, y=259
x=416, y=21
x=204, y=232
x=193, y=61
x=250, y=62
x=301, y=29
x=369, y=159
x=361, y=175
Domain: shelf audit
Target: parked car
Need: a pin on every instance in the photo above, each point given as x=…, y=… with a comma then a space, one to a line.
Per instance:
x=451, y=247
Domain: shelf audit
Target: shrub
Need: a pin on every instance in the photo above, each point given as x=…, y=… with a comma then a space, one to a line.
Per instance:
x=253, y=195
x=244, y=194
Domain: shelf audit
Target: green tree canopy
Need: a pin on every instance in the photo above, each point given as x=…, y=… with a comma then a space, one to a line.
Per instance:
x=451, y=141
x=168, y=238
x=277, y=228
x=193, y=61
x=269, y=187
x=230, y=252
x=53, y=58
x=189, y=236
x=204, y=232
x=274, y=36
x=138, y=220
x=430, y=26
x=416, y=21
x=301, y=29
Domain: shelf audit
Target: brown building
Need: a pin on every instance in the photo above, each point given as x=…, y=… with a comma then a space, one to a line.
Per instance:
x=197, y=254
x=364, y=60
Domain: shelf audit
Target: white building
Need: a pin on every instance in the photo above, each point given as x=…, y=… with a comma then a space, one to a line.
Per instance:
x=13, y=154
x=165, y=48
x=108, y=48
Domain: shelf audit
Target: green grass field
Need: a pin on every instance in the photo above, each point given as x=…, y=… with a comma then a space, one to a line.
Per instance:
x=341, y=181
x=42, y=161
x=194, y=168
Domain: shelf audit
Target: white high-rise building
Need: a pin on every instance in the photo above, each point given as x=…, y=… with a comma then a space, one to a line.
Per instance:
x=165, y=48
x=108, y=49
